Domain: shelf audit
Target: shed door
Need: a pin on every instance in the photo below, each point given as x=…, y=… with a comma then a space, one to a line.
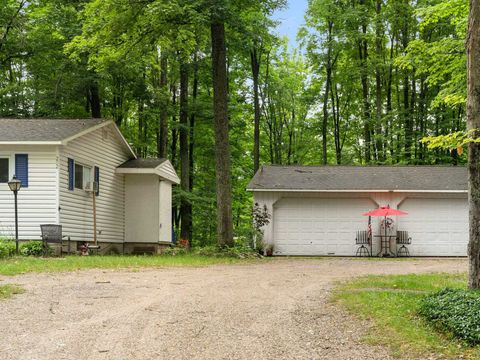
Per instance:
x=438, y=227
x=318, y=226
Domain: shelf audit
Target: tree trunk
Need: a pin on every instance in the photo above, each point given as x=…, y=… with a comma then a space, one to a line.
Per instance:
x=378, y=81
x=185, y=219
x=95, y=100
x=328, y=83
x=473, y=122
x=189, y=208
x=363, y=56
x=222, y=146
x=255, y=63
x=173, y=150
x=162, y=125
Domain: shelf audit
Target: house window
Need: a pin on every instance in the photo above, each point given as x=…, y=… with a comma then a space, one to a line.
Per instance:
x=83, y=176
x=4, y=174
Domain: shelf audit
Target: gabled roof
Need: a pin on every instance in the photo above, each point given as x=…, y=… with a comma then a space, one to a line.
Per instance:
x=156, y=166
x=26, y=130
x=51, y=131
x=150, y=163
x=360, y=178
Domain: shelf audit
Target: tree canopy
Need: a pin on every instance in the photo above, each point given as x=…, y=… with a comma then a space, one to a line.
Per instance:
x=369, y=80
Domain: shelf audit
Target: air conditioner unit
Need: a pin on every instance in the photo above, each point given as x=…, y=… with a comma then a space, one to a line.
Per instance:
x=88, y=187
x=91, y=186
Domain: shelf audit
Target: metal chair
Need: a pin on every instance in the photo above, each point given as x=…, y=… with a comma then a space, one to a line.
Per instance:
x=363, y=238
x=52, y=233
x=403, y=239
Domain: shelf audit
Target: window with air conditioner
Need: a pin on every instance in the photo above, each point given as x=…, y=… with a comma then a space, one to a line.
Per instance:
x=83, y=177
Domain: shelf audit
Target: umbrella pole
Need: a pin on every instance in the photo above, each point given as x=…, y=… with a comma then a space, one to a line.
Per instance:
x=385, y=251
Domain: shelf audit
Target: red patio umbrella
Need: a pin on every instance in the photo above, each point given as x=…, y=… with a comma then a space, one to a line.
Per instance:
x=385, y=211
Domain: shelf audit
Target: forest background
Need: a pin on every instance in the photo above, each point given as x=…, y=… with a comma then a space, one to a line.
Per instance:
x=368, y=80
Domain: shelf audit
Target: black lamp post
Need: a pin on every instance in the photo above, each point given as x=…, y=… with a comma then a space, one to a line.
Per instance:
x=15, y=185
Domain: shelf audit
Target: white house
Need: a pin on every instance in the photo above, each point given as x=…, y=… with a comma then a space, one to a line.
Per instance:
x=60, y=162
x=317, y=210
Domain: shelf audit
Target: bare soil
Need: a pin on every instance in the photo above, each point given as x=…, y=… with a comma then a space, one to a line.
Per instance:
x=271, y=310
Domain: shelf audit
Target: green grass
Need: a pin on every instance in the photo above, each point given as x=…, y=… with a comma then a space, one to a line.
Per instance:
x=20, y=265
x=390, y=302
x=9, y=290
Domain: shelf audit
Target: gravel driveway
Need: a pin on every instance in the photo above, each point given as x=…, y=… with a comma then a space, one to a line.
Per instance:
x=272, y=310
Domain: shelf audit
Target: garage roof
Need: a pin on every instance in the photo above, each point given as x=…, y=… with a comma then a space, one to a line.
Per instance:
x=360, y=178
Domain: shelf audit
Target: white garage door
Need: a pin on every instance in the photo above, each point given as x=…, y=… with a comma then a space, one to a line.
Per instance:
x=316, y=226
x=438, y=227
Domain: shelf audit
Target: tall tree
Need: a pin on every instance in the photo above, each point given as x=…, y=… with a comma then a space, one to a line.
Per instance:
x=220, y=114
x=473, y=123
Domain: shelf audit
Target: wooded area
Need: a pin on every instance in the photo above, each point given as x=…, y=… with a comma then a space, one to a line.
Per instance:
x=209, y=85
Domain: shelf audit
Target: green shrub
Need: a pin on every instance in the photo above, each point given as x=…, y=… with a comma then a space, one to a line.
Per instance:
x=34, y=248
x=454, y=311
x=7, y=248
x=174, y=250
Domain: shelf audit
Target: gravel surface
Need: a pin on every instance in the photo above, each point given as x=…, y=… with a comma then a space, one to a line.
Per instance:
x=273, y=310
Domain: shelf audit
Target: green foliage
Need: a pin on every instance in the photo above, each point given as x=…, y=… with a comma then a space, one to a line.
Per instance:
x=454, y=140
x=34, y=248
x=391, y=304
x=7, y=248
x=59, y=57
x=454, y=311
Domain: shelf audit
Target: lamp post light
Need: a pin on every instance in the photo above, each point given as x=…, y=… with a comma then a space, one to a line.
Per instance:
x=15, y=185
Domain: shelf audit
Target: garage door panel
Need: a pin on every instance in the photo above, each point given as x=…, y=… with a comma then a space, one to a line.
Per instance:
x=438, y=227
x=315, y=226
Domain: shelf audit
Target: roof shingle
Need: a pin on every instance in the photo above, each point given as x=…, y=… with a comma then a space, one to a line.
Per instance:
x=355, y=178
x=43, y=129
x=150, y=163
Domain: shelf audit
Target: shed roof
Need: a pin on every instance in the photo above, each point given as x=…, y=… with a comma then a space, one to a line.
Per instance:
x=360, y=178
x=150, y=163
x=43, y=130
x=156, y=166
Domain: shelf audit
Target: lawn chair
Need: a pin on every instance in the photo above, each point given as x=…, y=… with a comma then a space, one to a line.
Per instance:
x=403, y=239
x=363, y=238
x=52, y=233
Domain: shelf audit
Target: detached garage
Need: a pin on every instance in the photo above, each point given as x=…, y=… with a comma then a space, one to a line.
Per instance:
x=317, y=210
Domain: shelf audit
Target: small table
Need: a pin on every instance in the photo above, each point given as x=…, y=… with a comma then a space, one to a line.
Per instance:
x=385, y=249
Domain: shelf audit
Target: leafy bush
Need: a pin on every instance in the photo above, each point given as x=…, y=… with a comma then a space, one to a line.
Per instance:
x=454, y=311
x=7, y=248
x=174, y=250
x=34, y=248
x=239, y=251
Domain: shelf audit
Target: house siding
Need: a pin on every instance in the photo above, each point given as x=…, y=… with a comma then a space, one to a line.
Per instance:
x=38, y=203
x=102, y=148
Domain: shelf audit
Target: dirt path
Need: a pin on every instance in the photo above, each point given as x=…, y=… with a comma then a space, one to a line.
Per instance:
x=273, y=310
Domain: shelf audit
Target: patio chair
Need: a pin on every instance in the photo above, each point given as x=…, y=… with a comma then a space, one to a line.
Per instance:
x=52, y=233
x=403, y=239
x=364, y=240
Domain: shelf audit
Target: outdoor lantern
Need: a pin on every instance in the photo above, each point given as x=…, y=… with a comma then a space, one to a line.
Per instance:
x=15, y=185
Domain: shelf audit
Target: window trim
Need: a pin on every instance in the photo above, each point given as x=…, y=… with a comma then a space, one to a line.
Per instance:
x=9, y=158
x=11, y=164
x=83, y=165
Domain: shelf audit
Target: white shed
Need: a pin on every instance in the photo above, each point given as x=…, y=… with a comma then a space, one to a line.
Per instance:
x=316, y=210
